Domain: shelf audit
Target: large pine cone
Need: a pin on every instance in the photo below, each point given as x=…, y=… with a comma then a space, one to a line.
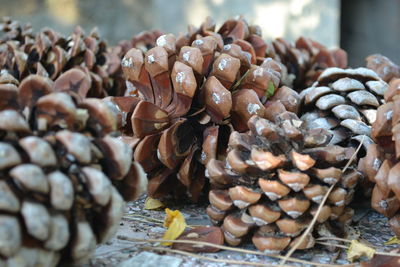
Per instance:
x=63, y=177
x=185, y=103
x=344, y=101
x=381, y=164
x=304, y=61
x=273, y=179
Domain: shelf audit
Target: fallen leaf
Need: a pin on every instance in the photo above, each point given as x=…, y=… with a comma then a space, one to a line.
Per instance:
x=153, y=204
x=357, y=250
x=210, y=234
x=393, y=241
x=176, y=224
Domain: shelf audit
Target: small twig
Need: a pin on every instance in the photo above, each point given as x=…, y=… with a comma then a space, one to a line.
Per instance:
x=333, y=238
x=207, y=258
x=309, y=228
x=246, y=251
x=144, y=217
x=331, y=244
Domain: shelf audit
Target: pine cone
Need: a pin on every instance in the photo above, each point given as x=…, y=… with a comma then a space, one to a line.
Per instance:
x=383, y=66
x=49, y=54
x=381, y=165
x=306, y=59
x=63, y=176
x=344, y=101
x=274, y=177
x=185, y=101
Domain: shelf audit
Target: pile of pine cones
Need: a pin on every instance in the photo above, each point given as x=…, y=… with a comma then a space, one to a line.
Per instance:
x=262, y=129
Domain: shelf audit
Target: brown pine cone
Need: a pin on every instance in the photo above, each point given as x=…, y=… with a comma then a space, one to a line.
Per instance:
x=306, y=59
x=64, y=177
x=185, y=103
x=384, y=67
x=344, y=102
x=49, y=54
x=381, y=165
x=272, y=180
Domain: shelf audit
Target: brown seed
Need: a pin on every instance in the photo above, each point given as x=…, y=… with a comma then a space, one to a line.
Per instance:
x=329, y=175
x=231, y=239
x=83, y=242
x=208, y=234
x=336, y=211
x=37, y=219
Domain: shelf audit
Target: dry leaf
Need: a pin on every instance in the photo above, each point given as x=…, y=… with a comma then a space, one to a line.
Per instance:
x=210, y=234
x=153, y=204
x=176, y=224
x=357, y=250
x=393, y=241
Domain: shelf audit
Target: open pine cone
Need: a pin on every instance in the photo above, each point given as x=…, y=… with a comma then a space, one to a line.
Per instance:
x=273, y=178
x=180, y=106
x=344, y=101
x=49, y=54
x=304, y=61
x=381, y=165
x=64, y=178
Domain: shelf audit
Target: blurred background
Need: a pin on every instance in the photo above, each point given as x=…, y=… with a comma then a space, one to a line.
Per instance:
x=361, y=27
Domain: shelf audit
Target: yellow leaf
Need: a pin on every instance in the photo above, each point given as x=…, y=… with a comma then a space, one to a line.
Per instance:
x=153, y=204
x=393, y=241
x=357, y=250
x=176, y=224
